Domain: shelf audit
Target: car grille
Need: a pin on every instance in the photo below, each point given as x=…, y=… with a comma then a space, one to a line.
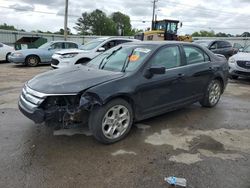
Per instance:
x=244, y=64
x=54, y=62
x=30, y=98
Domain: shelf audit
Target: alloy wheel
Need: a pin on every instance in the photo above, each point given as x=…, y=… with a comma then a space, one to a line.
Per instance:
x=115, y=122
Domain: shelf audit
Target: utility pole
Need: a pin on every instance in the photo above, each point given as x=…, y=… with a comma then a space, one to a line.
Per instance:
x=66, y=19
x=153, y=17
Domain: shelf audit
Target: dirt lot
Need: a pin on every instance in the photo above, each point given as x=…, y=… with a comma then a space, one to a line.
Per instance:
x=208, y=147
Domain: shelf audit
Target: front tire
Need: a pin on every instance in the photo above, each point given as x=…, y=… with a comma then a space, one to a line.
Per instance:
x=32, y=61
x=111, y=122
x=212, y=95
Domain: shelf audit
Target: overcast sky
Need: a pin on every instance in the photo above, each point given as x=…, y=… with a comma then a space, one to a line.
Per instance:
x=230, y=16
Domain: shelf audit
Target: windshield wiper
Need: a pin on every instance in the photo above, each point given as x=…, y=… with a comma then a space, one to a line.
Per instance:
x=102, y=66
x=126, y=62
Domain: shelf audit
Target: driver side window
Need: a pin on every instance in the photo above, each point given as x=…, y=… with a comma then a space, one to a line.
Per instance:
x=57, y=45
x=109, y=45
x=168, y=57
x=214, y=46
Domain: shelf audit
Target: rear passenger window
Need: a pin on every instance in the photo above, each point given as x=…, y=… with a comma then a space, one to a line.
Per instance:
x=195, y=55
x=70, y=45
x=122, y=41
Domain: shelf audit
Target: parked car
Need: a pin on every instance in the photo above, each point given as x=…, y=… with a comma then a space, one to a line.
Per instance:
x=219, y=47
x=87, y=52
x=5, y=51
x=128, y=83
x=239, y=64
x=43, y=54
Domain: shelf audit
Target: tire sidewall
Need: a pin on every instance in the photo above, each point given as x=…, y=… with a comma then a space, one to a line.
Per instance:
x=97, y=115
x=208, y=92
x=32, y=65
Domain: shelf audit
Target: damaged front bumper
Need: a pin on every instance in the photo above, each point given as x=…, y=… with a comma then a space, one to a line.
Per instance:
x=41, y=107
x=29, y=102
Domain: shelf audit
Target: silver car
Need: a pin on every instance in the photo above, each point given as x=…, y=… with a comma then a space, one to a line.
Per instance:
x=66, y=58
x=43, y=54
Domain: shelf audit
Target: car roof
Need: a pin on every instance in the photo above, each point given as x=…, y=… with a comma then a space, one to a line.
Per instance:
x=62, y=41
x=156, y=43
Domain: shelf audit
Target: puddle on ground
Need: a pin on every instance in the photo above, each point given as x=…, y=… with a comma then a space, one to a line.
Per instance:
x=198, y=144
x=186, y=158
x=123, y=152
x=142, y=126
x=231, y=139
x=223, y=156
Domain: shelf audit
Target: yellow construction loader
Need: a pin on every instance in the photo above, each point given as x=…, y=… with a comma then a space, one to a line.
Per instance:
x=163, y=30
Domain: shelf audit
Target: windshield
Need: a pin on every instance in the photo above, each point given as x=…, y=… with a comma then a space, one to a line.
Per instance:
x=246, y=49
x=46, y=45
x=203, y=42
x=126, y=58
x=91, y=45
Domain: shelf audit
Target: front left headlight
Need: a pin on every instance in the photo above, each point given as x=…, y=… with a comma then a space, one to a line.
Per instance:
x=231, y=60
x=71, y=55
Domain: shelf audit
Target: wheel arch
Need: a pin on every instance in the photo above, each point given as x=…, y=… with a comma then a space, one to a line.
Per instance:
x=89, y=100
x=82, y=59
x=220, y=79
x=6, y=56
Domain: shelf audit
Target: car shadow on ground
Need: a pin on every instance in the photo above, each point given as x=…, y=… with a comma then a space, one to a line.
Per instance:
x=240, y=81
x=25, y=66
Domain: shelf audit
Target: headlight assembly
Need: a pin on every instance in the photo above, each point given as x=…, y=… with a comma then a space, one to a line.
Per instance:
x=232, y=60
x=71, y=55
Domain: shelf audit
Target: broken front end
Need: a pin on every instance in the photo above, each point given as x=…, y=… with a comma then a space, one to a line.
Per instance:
x=65, y=109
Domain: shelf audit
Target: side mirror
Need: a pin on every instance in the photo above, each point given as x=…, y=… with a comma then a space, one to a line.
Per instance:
x=154, y=70
x=101, y=49
x=49, y=48
x=241, y=50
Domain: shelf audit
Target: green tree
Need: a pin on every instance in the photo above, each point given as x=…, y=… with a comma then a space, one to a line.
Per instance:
x=95, y=23
x=83, y=24
x=61, y=31
x=204, y=33
x=98, y=23
x=9, y=27
x=122, y=22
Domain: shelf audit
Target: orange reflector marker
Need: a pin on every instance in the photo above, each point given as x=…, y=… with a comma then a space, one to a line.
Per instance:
x=133, y=58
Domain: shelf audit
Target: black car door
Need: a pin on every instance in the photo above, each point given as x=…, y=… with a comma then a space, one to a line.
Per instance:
x=199, y=70
x=162, y=91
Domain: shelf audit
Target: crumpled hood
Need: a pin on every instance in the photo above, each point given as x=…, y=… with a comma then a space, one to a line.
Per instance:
x=241, y=56
x=68, y=51
x=71, y=80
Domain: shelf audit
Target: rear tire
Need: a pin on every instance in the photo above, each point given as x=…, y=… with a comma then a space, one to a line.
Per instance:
x=111, y=122
x=212, y=95
x=32, y=61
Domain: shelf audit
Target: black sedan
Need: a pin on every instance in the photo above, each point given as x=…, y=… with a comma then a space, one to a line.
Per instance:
x=128, y=83
x=219, y=47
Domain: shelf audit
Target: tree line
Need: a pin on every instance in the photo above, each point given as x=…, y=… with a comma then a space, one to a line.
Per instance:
x=204, y=33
